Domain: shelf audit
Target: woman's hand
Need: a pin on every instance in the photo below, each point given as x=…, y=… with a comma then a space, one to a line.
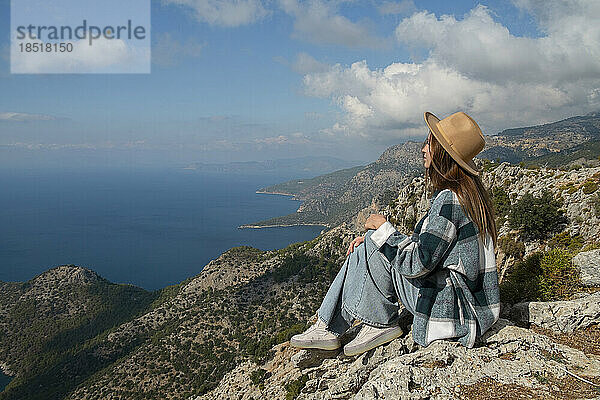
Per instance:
x=355, y=243
x=374, y=221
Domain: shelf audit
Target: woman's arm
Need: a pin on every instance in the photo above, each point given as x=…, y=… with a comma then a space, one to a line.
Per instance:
x=419, y=255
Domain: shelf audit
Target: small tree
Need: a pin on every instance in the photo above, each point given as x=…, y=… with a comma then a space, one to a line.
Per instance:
x=513, y=249
x=537, y=217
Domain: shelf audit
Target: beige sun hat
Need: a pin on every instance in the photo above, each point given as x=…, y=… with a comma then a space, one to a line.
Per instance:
x=460, y=136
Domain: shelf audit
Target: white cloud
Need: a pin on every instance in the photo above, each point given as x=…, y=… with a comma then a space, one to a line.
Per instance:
x=24, y=117
x=482, y=48
x=227, y=13
x=317, y=21
x=474, y=64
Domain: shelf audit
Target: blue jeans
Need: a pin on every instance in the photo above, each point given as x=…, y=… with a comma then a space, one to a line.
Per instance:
x=364, y=289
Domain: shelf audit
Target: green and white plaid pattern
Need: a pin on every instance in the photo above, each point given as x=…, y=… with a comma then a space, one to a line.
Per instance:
x=459, y=295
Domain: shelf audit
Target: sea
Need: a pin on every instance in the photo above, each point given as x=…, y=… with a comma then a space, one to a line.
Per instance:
x=4, y=380
x=149, y=227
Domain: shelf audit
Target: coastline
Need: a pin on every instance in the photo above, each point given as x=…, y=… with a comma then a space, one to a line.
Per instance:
x=279, y=193
x=247, y=226
x=253, y=226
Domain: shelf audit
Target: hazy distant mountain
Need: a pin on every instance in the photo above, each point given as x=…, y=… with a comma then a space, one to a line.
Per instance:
x=302, y=166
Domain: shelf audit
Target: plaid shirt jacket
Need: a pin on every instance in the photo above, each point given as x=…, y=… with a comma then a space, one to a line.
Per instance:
x=455, y=271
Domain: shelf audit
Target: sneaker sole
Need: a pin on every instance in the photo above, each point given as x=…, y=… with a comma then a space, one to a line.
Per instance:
x=383, y=339
x=329, y=345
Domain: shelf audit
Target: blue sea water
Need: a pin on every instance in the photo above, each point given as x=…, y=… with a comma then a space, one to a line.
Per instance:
x=4, y=380
x=148, y=227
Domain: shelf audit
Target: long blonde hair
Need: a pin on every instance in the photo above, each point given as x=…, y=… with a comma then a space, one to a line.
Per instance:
x=445, y=173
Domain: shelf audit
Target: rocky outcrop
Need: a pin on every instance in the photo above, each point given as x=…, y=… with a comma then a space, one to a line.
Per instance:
x=577, y=189
x=507, y=358
x=560, y=316
x=588, y=263
x=223, y=322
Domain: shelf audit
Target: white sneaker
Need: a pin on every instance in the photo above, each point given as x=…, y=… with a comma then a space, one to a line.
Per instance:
x=370, y=337
x=316, y=337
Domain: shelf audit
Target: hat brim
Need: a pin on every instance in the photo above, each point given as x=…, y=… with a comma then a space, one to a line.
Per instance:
x=432, y=122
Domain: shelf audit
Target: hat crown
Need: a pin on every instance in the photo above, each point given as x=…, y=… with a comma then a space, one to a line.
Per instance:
x=463, y=134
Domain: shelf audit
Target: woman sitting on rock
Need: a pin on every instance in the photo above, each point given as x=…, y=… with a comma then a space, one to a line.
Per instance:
x=444, y=274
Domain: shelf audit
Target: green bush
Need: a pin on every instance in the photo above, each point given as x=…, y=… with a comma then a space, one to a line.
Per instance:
x=293, y=388
x=522, y=283
x=559, y=278
x=591, y=246
x=388, y=197
x=569, y=187
x=537, y=217
x=542, y=276
x=590, y=186
x=567, y=242
x=489, y=165
x=258, y=376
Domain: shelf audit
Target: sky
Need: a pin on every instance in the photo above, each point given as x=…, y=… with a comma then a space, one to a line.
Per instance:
x=240, y=80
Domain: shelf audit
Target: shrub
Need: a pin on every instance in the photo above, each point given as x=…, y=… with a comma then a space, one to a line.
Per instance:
x=293, y=388
x=559, y=278
x=569, y=187
x=590, y=186
x=591, y=246
x=541, y=277
x=388, y=197
x=537, y=217
x=488, y=165
x=410, y=223
x=567, y=242
x=258, y=376
x=522, y=283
